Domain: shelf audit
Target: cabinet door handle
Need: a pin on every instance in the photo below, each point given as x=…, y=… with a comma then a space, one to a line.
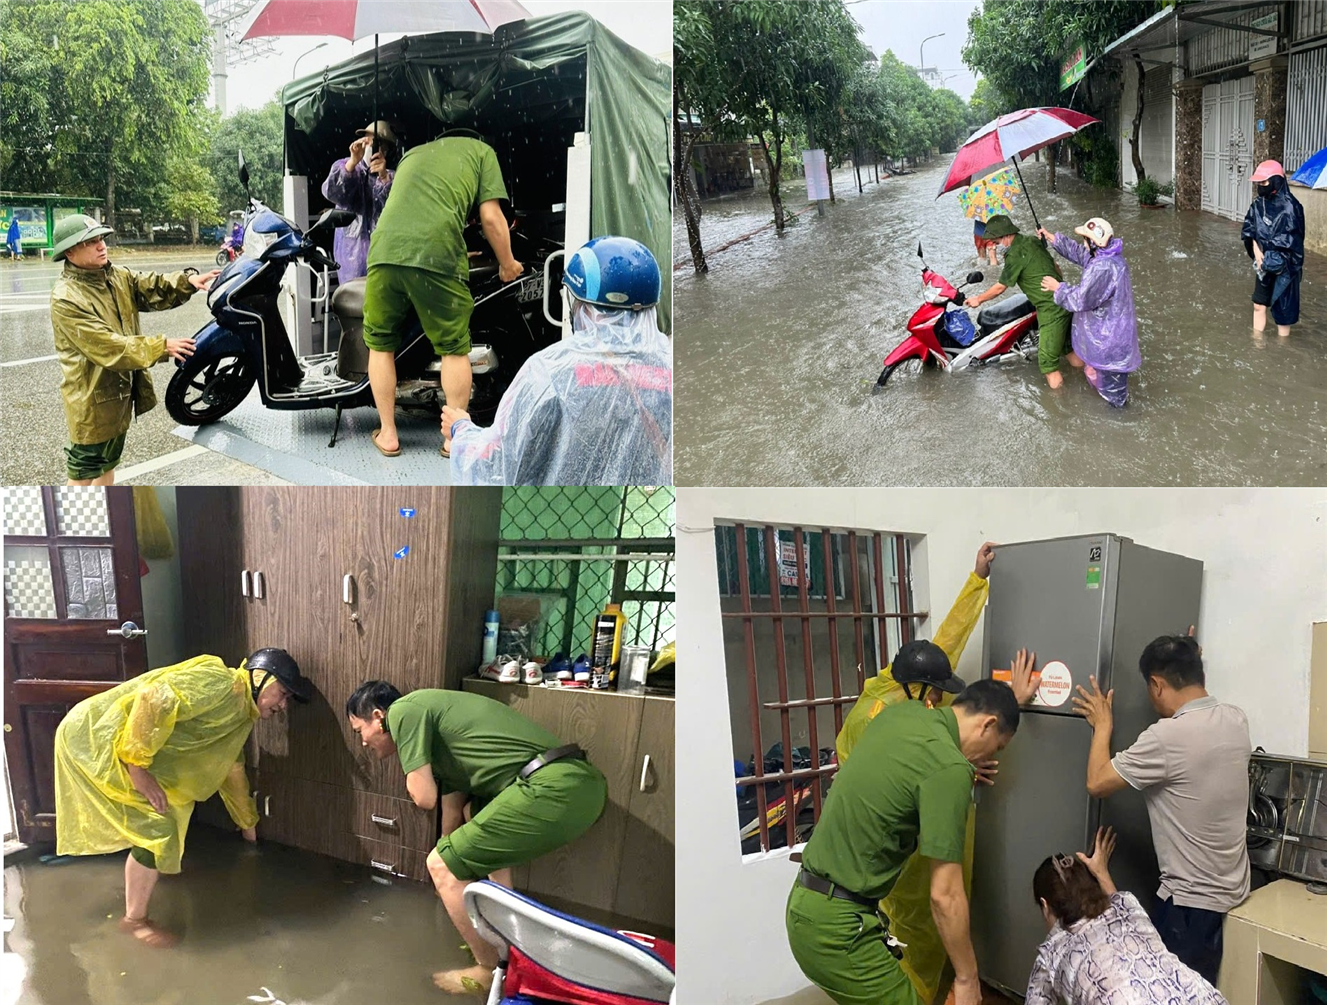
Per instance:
x=244, y=583
x=348, y=589
x=267, y=806
x=382, y=821
x=382, y=866
x=644, y=772
x=258, y=585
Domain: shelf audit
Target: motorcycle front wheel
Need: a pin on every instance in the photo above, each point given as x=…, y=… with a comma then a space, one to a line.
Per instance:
x=223, y=259
x=912, y=365
x=206, y=388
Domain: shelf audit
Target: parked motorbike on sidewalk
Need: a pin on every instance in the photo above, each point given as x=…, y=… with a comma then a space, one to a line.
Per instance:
x=940, y=337
x=247, y=342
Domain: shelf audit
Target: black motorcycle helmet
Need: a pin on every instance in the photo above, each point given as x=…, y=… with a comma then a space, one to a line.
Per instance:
x=925, y=663
x=279, y=664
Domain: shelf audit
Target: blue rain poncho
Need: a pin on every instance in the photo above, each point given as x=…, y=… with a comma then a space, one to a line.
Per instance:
x=594, y=409
x=1105, y=326
x=1276, y=222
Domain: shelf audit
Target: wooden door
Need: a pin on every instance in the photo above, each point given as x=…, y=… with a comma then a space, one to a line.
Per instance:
x=645, y=881
x=71, y=581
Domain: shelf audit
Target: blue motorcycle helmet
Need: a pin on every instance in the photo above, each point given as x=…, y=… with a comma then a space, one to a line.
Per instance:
x=613, y=272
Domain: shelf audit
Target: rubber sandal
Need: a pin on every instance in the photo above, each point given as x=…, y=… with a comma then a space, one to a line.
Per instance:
x=445, y=452
x=386, y=453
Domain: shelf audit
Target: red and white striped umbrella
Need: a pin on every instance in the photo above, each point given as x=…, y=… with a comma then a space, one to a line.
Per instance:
x=354, y=19
x=1014, y=135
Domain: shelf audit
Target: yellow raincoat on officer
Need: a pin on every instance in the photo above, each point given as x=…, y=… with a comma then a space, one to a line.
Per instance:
x=908, y=906
x=103, y=352
x=186, y=724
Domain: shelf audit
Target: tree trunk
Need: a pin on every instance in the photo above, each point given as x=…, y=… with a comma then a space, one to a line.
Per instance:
x=1138, y=124
x=683, y=145
x=1053, y=155
x=829, y=170
x=110, y=192
x=774, y=164
x=193, y=228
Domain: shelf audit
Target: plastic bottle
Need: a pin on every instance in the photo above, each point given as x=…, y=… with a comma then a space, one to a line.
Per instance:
x=608, y=627
x=490, y=637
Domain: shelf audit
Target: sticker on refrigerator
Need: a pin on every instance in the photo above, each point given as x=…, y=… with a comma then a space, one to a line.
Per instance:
x=1055, y=685
x=1094, y=552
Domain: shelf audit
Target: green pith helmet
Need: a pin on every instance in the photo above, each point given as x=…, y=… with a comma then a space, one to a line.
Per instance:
x=999, y=226
x=75, y=229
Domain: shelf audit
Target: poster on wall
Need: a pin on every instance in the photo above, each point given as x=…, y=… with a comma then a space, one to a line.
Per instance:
x=31, y=222
x=788, y=564
x=1263, y=45
x=817, y=175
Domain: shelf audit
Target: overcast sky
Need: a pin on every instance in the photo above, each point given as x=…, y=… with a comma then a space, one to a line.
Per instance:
x=646, y=24
x=902, y=24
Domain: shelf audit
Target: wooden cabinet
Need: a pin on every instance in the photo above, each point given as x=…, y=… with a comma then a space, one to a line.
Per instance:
x=269, y=567
x=624, y=863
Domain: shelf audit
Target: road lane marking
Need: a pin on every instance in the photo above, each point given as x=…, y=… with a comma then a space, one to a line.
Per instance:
x=165, y=460
x=34, y=359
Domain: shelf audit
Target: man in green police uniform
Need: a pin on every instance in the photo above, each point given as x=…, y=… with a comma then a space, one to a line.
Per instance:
x=1026, y=261
x=907, y=788
x=417, y=259
x=527, y=792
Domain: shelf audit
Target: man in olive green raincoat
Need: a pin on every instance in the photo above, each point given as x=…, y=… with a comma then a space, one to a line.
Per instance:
x=104, y=356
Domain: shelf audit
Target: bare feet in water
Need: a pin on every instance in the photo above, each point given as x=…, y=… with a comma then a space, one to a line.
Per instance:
x=148, y=933
x=471, y=980
x=1055, y=379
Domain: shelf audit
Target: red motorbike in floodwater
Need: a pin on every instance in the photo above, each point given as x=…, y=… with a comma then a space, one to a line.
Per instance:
x=947, y=339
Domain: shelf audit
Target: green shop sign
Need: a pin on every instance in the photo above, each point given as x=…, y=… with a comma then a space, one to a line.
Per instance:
x=1073, y=66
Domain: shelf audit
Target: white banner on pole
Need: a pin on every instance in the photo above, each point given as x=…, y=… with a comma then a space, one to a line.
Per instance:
x=817, y=175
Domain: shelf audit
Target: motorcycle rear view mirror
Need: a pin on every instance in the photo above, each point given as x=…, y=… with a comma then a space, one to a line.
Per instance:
x=334, y=218
x=975, y=277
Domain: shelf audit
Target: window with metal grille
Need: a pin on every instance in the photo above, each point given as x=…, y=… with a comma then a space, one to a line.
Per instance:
x=808, y=614
x=579, y=548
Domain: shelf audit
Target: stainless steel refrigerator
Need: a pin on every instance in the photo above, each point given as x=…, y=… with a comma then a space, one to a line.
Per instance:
x=1085, y=605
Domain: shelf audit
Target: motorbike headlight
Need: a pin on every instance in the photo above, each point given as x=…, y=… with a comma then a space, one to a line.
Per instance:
x=222, y=289
x=931, y=295
x=256, y=243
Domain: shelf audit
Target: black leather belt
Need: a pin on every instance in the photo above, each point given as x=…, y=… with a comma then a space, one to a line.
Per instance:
x=566, y=751
x=818, y=885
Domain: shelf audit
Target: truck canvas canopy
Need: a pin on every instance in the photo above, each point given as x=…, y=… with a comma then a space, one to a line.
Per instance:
x=528, y=89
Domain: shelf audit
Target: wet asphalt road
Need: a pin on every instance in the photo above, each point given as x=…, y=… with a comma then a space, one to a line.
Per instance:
x=33, y=434
x=778, y=348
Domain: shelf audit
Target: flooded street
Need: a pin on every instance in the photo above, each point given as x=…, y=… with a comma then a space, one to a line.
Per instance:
x=778, y=348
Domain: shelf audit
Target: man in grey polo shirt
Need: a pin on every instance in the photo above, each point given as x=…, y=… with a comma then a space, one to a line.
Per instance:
x=1192, y=767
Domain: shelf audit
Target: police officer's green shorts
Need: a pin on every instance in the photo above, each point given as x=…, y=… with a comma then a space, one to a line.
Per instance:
x=92, y=460
x=840, y=946
x=393, y=292
x=529, y=818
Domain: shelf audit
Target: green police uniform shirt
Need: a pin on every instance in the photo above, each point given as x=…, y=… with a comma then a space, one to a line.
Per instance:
x=437, y=188
x=906, y=788
x=475, y=744
x=1025, y=263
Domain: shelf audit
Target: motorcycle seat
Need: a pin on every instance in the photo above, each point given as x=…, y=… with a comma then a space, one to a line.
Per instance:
x=999, y=315
x=482, y=268
x=348, y=300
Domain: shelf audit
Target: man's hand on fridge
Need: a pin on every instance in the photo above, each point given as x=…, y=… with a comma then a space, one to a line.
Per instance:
x=1021, y=680
x=1096, y=707
x=987, y=770
x=1200, y=648
x=985, y=556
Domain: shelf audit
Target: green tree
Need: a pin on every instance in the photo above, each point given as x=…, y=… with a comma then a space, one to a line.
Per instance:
x=258, y=132
x=123, y=82
x=698, y=101
x=950, y=117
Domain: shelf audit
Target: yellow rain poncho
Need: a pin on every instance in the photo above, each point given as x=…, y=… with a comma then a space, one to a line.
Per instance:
x=187, y=724
x=908, y=905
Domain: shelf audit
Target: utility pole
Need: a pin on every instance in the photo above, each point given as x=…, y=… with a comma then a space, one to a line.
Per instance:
x=921, y=54
x=226, y=17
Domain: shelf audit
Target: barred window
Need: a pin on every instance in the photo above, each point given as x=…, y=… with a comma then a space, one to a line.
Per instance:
x=808, y=614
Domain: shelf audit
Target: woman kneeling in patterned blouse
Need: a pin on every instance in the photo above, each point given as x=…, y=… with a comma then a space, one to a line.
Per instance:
x=1102, y=949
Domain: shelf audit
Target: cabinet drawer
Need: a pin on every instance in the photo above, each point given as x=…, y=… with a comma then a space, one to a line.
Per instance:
x=396, y=821
x=386, y=858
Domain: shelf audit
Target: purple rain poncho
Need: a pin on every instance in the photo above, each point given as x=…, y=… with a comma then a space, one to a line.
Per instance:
x=364, y=195
x=1105, y=327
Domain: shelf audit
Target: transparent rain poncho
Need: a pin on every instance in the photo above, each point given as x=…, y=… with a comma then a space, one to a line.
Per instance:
x=908, y=905
x=186, y=724
x=1104, y=332
x=594, y=409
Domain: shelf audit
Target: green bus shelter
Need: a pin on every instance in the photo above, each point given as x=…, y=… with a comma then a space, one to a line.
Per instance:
x=38, y=214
